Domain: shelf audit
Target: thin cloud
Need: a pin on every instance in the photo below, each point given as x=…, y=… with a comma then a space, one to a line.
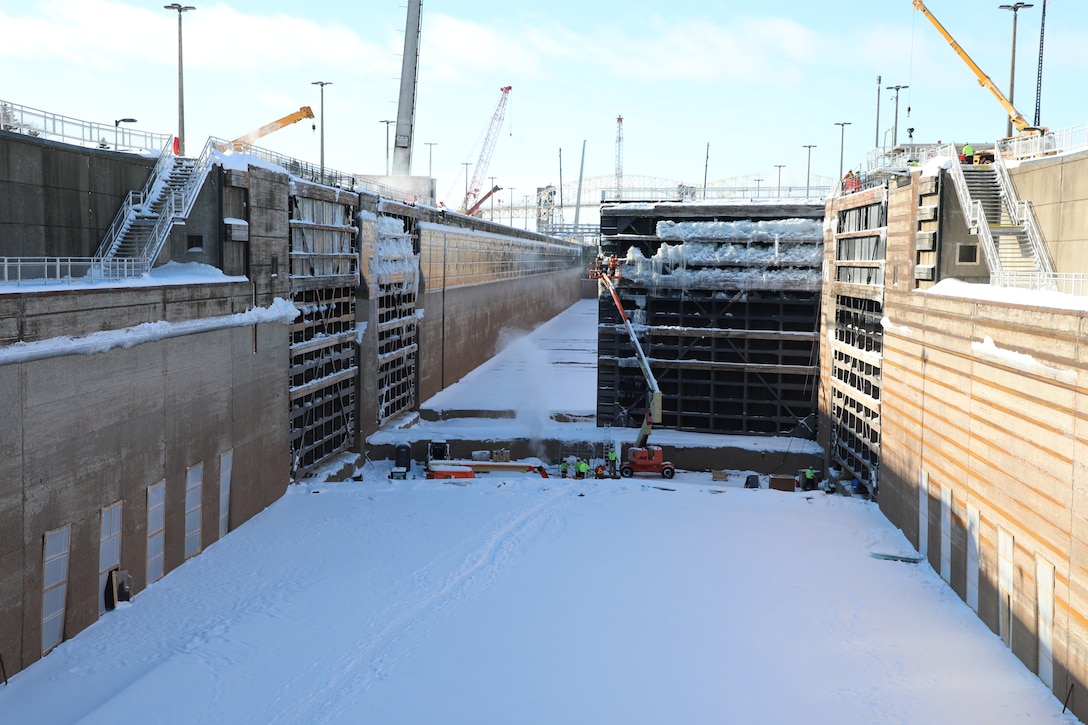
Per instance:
x=87, y=33
x=751, y=52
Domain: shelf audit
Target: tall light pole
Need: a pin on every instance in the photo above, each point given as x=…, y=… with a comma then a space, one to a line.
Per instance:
x=181, y=77
x=780, y=167
x=466, y=164
x=322, y=84
x=706, y=168
x=387, y=145
x=117, y=123
x=1016, y=8
x=808, y=167
x=757, y=180
x=1039, y=77
x=430, y=158
x=492, y=197
x=895, y=126
x=876, y=144
x=842, y=142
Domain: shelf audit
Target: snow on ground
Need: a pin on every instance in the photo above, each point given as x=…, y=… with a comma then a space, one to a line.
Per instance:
x=518, y=599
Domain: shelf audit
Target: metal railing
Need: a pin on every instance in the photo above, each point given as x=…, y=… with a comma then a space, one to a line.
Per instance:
x=1063, y=282
x=901, y=157
x=133, y=203
x=53, y=126
x=1022, y=214
x=66, y=270
x=1050, y=143
x=316, y=173
x=697, y=193
x=972, y=210
x=570, y=230
x=197, y=175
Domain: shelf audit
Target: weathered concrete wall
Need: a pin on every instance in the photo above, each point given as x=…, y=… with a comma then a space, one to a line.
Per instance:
x=462, y=327
x=1058, y=190
x=83, y=431
x=991, y=432
x=57, y=200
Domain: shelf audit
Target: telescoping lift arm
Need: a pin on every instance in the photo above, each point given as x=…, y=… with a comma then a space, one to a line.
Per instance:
x=240, y=143
x=1018, y=120
x=476, y=207
x=653, y=414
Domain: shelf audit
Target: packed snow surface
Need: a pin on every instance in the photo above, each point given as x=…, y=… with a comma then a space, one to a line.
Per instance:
x=517, y=599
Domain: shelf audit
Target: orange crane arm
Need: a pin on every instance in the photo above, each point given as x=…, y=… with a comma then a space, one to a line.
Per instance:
x=1015, y=116
x=242, y=141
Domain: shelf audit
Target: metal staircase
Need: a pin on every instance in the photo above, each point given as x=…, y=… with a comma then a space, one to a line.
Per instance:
x=1013, y=249
x=143, y=223
x=1011, y=241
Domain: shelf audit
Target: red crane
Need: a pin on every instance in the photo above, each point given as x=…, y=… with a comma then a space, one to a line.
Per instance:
x=485, y=153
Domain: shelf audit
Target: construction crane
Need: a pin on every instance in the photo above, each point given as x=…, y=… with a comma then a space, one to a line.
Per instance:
x=1018, y=121
x=641, y=457
x=243, y=142
x=485, y=152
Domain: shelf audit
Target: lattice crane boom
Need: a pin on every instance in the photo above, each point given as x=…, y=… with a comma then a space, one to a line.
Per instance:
x=487, y=150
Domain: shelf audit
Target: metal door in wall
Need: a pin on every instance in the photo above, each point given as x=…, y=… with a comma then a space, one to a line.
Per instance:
x=324, y=344
x=396, y=275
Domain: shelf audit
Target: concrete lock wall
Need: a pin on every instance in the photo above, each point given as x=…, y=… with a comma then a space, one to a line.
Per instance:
x=983, y=447
x=58, y=200
x=1058, y=191
x=85, y=431
x=463, y=327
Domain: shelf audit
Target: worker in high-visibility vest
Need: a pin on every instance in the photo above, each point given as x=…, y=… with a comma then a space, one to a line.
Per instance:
x=613, y=462
x=809, y=484
x=563, y=468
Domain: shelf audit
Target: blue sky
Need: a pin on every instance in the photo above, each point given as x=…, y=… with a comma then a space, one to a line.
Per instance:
x=755, y=81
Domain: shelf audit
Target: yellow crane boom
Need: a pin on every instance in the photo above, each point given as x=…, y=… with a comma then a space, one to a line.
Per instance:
x=242, y=142
x=1015, y=116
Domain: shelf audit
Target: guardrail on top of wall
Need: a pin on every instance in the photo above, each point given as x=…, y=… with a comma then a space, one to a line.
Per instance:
x=1051, y=143
x=54, y=127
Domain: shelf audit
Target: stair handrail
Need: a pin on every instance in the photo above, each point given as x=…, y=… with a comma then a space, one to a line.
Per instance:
x=121, y=220
x=160, y=232
x=196, y=178
x=178, y=204
x=972, y=209
x=127, y=212
x=1022, y=213
x=1026, y=214
x=985, y=237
